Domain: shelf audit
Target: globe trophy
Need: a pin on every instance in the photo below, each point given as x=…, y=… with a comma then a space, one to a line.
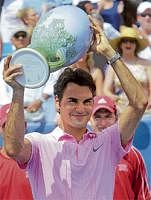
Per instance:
x=61, y=37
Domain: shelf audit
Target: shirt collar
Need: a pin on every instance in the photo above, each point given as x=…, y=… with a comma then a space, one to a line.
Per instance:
x=60, y=135
x=68, y=137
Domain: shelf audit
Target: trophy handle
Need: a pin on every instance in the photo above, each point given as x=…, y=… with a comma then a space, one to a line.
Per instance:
x=60, y=60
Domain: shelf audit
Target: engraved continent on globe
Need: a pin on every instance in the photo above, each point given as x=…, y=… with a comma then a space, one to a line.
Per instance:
x=56, y=45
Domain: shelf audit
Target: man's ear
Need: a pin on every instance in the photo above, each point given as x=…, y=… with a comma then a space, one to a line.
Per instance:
x=57, y=103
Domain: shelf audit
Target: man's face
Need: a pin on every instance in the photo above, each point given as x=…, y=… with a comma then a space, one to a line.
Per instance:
x=102, y=119
x=20, y=40
x=145, y=20
x=76, y=106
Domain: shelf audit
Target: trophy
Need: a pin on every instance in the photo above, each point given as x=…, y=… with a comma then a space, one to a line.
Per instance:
x=61, y=37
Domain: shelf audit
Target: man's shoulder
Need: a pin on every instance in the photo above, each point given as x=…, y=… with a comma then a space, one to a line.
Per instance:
x=54, y=134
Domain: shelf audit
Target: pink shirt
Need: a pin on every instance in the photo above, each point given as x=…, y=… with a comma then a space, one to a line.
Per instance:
x=62, y=169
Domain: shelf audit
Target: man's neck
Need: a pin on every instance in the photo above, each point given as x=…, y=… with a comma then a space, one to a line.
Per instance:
x=77, y=133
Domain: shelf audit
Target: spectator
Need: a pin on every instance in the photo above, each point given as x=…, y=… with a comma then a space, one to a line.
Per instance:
x=130, y=12
x=130, y=178
x=87, y=6
x=33, y=109
x=144, y=19
x=14, y=183
x=111, y=12
x=19, y=39
x=29, y=17
x=128, y=44
x=9, y=21
x=77, y=169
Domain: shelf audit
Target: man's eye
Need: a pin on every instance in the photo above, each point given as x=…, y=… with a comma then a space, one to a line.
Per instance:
x=72, y=101
x=88, y=102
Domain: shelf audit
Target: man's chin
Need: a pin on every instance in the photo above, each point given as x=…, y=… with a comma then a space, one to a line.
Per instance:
x=79, y=125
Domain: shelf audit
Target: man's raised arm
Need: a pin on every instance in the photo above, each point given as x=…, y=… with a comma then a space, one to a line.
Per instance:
x=130, y=117
x=14, y=143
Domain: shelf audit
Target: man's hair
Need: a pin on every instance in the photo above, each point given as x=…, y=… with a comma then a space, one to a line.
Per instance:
x=77, y=76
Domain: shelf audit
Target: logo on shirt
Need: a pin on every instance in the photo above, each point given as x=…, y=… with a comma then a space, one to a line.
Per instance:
x=97, y=148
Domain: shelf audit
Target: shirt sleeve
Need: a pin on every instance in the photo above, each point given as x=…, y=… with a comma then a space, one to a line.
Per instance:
x=117, y=150
x=34, y=138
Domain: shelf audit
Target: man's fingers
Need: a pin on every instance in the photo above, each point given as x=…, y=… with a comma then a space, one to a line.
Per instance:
x=12, y=76
x=11, y=70
x=95, y=23
x=7, y=61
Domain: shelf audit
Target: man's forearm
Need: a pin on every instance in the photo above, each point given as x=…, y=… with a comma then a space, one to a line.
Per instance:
x=131, y=86
x=15, y=125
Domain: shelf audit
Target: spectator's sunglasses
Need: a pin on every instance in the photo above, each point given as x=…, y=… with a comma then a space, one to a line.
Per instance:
x=20, y=34
x=131, y=40
x=145, y=14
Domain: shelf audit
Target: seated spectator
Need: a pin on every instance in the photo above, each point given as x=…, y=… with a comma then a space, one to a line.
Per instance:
x=129, y=44
x=14, y=182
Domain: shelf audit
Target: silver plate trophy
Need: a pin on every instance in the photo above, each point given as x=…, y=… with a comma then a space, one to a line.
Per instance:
x=35, y=68
x=58, y=40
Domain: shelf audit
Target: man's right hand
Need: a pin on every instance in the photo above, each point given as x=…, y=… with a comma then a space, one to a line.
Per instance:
x=10, y=72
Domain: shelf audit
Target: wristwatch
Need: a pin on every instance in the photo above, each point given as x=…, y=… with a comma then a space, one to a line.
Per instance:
x=114, y=58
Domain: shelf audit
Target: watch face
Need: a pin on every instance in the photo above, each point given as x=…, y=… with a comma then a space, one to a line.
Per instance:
x=35, y=68
x=114, y=58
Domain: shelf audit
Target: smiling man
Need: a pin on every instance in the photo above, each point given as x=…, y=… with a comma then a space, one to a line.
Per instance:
x=70, y=162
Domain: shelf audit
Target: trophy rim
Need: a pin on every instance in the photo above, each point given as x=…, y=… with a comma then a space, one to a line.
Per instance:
x=39, y=58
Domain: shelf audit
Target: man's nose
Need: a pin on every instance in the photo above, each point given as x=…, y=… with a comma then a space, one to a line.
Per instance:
x=80, y=107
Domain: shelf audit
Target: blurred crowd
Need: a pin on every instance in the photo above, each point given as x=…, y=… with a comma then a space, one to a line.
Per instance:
x=127, y=25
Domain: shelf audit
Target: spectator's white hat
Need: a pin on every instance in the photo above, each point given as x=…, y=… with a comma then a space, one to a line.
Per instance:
x=143, y=6
x=18, y=29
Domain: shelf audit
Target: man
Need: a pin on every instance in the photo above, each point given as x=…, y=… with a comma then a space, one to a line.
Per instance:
x=71, y=163
x=130, y=178
x=14, y=183
x=144, y=19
